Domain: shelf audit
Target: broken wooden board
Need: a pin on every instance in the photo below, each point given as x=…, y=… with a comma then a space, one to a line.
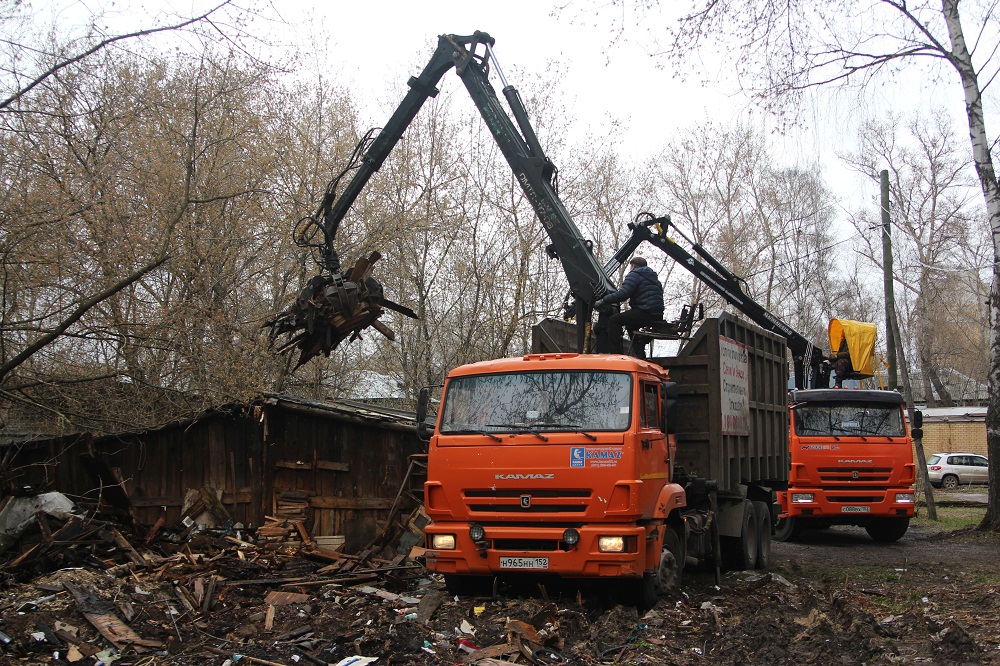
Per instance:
x=101, y=614
x=278, y=598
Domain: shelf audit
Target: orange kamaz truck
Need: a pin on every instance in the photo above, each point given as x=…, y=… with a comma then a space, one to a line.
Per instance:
x=609, y=467
x=852, y=454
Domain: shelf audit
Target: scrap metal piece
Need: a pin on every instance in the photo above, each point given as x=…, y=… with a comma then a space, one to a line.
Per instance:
x=333, y=308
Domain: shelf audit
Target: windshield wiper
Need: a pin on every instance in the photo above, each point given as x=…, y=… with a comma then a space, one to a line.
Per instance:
x=520, y=427
x=463, y=430
x=568, y=427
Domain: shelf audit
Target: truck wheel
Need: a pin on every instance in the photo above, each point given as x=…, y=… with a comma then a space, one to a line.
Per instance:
x=786, y=529
x=763, y=515
x=740, y=553
x=949, y=482
x=671, y=562
x=644, y=593
x=887, y=530
x=468, y=586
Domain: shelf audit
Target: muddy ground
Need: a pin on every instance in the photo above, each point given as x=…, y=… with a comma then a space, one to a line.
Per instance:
x=836, y=597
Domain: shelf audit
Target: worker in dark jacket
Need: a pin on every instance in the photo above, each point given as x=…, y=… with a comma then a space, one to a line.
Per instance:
x=642, y=288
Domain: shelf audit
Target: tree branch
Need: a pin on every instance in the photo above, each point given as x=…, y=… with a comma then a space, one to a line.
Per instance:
x=101, y=45
x=78, y=314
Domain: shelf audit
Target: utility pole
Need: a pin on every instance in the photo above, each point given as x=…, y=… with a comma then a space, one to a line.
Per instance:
x=890, y=298
x=894, y=350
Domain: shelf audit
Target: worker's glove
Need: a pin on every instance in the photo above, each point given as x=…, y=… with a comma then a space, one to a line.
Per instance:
x=600, y=303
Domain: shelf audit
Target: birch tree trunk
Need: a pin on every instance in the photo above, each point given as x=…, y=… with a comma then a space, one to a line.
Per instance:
x=961, y=59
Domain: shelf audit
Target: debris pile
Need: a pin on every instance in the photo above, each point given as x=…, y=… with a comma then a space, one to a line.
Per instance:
x=80, y=590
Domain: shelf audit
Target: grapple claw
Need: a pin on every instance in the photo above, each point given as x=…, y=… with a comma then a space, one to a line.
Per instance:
x=330, y=310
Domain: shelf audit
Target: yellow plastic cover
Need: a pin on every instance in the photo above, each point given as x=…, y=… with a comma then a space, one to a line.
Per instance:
x=860, y=336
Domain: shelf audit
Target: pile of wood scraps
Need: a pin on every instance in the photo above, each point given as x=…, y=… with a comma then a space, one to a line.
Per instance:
x=281, y=529
x=292, y=505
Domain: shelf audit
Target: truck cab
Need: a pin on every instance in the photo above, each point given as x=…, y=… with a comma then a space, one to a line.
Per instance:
x=554, y=464
x=851, y=463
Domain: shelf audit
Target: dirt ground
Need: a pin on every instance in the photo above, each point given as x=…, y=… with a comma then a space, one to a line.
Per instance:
x=835, y=597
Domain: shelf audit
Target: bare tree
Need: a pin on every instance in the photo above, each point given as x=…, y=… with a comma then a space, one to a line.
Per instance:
x=934, y=218
x=29, y=64
x=106, y=178
x=769, y=225
x=779, y=49
x=150, y=236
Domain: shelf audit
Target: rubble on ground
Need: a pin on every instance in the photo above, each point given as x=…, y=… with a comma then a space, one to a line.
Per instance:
x=76, y=589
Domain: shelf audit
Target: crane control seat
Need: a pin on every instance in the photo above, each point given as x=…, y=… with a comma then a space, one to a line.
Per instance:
x=678, y=329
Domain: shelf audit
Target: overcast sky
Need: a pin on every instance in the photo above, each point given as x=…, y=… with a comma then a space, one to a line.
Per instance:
x=375, y=46
x=382, y=48
x=378, y=45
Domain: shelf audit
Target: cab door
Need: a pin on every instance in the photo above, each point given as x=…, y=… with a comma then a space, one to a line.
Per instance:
x=654, y=471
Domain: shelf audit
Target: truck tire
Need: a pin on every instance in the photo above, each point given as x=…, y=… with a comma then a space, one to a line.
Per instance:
x=644, y=593
x=671, y=561
x=786, y=529
x=887, y=530
x=763, y=515
x=740, y=553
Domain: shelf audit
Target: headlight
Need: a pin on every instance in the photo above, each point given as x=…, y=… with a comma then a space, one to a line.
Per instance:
x=476, y=532
x=802, y=498
x=443, y=541
x=905, y=498
x=611, y=544
x=571, y=537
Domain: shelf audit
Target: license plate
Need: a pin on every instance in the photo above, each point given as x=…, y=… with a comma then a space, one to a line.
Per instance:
x=524, y=563
x=855, y=509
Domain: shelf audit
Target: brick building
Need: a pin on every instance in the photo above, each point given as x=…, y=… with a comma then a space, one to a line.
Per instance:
x=948, y=429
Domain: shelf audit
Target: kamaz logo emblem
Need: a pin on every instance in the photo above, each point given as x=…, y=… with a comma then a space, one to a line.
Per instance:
x=519, y=477
x=525, y=501
x=856, y=474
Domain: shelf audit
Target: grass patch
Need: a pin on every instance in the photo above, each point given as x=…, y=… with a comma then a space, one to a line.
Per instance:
x=950, y=518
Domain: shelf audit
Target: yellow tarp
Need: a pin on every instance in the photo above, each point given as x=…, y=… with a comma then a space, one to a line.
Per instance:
x=860, y=336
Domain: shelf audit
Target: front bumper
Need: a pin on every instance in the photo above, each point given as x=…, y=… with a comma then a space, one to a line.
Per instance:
x=533, y=544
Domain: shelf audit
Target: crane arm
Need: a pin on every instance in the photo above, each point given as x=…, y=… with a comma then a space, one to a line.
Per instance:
x=336, y=304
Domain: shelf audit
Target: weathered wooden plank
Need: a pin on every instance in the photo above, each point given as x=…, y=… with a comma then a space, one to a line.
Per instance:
x=355, y=503
x=333, y=466
x=293, y=464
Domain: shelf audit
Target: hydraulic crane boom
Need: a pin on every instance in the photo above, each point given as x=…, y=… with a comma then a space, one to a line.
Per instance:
x=805, y=355
x=321, y=317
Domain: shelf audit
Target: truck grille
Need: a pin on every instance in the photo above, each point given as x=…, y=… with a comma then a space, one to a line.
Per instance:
x=856, y=499
x=842, y=474
x=527, y=502
x=517, y=508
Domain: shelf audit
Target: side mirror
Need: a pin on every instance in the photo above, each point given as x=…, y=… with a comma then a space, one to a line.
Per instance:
x=423, y=397
x=917, y=427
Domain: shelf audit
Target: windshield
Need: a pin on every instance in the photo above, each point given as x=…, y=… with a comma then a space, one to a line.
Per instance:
x=550, y=401
x=858, y=420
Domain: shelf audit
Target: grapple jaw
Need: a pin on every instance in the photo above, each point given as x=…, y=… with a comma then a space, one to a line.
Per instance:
x=331, y=309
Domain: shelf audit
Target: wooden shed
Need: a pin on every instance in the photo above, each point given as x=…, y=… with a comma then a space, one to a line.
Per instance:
x=338, y=467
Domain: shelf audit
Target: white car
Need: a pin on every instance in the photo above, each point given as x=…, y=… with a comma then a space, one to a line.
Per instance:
x=951, y=470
